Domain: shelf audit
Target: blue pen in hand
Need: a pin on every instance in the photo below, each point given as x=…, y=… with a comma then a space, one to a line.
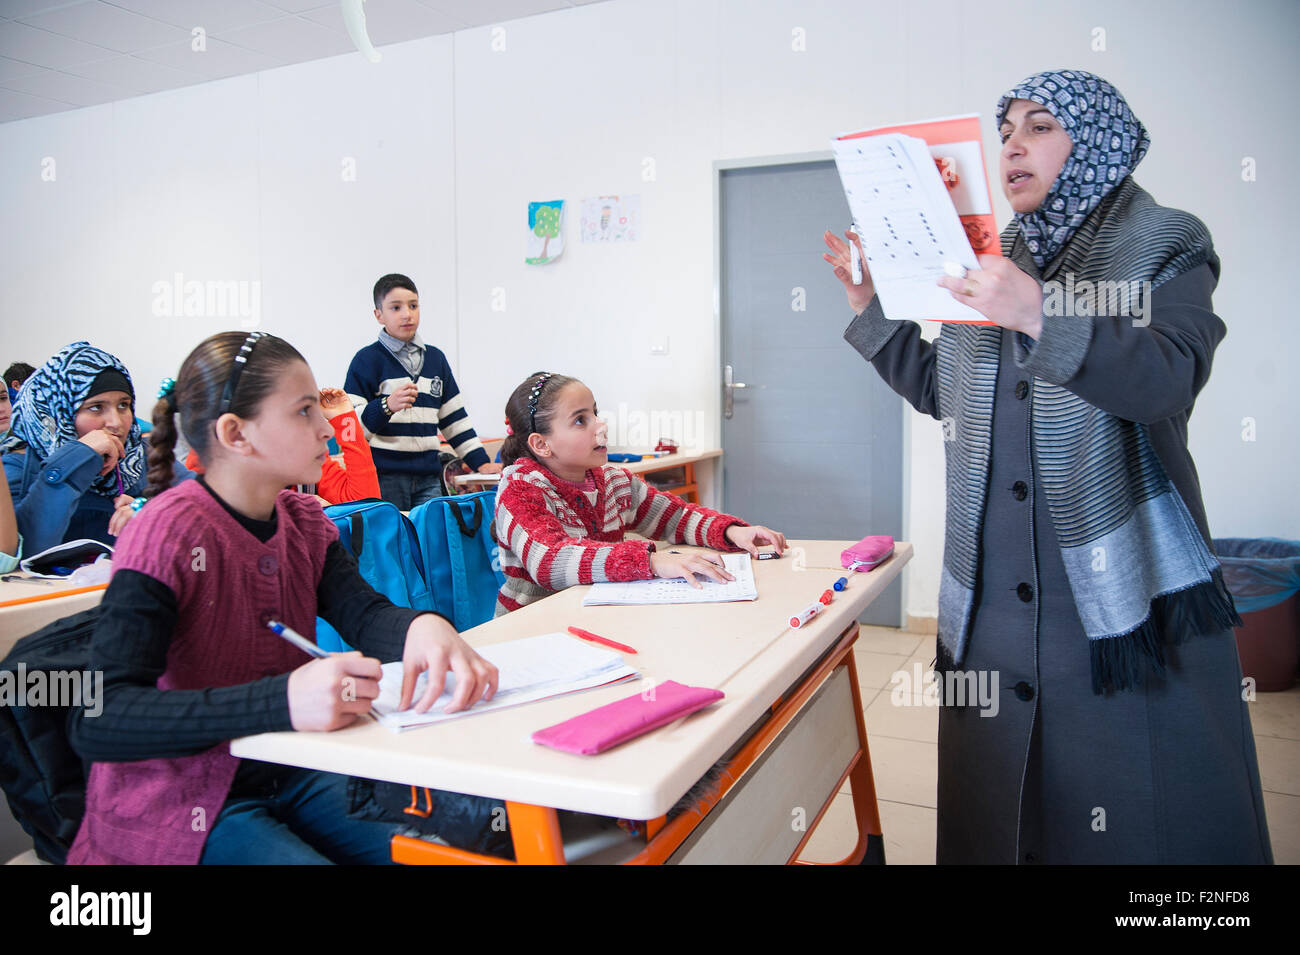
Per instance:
x=296, y=638
x=303, y=644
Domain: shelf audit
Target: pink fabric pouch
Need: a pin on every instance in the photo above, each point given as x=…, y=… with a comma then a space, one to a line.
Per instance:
x=867, y=553
x=607, y=726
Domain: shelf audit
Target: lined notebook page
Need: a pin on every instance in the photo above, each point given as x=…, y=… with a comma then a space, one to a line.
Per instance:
x=534, y=668
x=677, y=590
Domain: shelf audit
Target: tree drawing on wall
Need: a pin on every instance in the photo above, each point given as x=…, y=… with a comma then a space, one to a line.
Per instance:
x=546, y=226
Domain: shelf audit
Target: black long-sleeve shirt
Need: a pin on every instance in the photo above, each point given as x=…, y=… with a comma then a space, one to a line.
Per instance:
x=140, y=721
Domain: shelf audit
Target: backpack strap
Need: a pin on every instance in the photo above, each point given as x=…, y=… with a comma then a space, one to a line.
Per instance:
x=356, y=534
x=456, y=550
x=465, y=529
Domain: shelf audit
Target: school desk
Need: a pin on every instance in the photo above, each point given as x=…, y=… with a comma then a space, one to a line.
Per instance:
x=27, y=605
x=790, y=728
x=688, y=487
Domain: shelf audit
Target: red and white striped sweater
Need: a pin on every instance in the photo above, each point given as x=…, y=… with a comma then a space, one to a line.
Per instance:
x=555, y=534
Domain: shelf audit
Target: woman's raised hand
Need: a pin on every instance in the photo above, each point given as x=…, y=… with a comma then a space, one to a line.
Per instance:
x=860, y=296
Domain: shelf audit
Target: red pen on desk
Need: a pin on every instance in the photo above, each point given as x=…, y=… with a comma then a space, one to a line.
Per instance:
x=588, y=635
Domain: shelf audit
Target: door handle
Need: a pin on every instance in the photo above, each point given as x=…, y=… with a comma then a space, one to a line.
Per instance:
x=729, y=385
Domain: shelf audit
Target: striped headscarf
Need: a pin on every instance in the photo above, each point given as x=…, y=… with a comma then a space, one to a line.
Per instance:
x=46, y=411
x=1109, y=142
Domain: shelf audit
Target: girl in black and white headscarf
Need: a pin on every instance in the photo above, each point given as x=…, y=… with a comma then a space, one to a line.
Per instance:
x=81, y=460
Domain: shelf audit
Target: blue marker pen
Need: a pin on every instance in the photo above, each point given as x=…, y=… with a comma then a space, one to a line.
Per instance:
x=297, y=639
x=303, y=644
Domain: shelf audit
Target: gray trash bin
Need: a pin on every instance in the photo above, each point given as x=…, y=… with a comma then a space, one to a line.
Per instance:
x=1263, y=575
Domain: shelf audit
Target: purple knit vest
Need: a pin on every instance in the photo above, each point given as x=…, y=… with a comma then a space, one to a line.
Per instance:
x=227, y=585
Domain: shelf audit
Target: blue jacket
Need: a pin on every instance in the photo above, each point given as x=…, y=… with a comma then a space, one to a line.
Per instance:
x=50, y=499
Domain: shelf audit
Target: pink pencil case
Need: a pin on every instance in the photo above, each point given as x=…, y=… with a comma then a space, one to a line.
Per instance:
x=607, y=726
x=868, y=552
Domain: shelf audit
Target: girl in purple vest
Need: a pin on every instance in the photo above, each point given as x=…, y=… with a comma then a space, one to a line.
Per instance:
x=188, y=661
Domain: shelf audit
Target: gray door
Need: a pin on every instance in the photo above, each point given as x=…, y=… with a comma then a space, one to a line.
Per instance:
x=814, y=445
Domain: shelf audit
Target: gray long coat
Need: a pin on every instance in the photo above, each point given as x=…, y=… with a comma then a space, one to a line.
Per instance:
x=1163, y=774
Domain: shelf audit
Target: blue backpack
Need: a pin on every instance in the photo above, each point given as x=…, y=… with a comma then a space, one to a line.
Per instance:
x=384, y=543
x=461, y=560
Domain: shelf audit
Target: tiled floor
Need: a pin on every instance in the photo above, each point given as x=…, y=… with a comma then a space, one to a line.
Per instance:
x=904, y=757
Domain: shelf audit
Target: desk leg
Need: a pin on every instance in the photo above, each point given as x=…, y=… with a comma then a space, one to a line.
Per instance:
x=535, y=831
x=862, y=783
x=870, y=847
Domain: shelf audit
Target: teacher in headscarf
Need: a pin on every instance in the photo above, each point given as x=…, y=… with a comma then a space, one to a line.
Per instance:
x=1077, y=569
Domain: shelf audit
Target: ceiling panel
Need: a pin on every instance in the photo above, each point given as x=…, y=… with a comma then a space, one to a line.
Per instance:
x=217, y=60
x=213, y=17
x=291, y=40
x=60, y=54
x=106, y=25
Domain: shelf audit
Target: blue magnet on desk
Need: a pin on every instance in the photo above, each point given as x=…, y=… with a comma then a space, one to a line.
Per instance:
x=841, y=583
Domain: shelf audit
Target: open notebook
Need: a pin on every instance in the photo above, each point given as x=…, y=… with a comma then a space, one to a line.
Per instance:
x=531, y=669
x=678, y=591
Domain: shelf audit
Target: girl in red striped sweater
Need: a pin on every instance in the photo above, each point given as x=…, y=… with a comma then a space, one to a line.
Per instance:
x=562, y=510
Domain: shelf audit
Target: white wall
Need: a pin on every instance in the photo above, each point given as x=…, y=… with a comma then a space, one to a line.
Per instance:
x=241, y=179
x=238, y=180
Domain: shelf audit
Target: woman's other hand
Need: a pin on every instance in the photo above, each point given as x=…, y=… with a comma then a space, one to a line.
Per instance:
x=1001, y=292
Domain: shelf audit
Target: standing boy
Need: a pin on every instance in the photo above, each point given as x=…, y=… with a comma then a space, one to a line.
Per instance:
x=405, y=393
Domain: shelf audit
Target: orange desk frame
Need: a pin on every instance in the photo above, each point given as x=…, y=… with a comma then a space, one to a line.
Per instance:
x=536, y=829
x=52, y=595
x=688, y=489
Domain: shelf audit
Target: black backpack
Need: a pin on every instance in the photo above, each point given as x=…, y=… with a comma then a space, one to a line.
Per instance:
x=43, y=778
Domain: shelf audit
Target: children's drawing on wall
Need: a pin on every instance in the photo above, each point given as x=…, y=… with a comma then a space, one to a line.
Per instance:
x=545, y=231
x=611, y=219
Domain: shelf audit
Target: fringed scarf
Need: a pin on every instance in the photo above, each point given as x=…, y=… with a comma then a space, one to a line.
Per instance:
x=1140, y=572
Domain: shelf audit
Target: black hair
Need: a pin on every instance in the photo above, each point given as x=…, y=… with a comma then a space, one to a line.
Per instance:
x=523, y=417
x=389, y=282
x=19, y=371
x=198, y=392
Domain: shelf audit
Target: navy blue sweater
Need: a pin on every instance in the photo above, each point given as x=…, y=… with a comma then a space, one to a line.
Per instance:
x=408, y=442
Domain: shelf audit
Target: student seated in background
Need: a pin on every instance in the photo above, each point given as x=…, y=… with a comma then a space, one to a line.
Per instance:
x=355, y=478
x=189, y=662
x=407, y=394
x=562, y=510
x=15, y=375
x=79, y=463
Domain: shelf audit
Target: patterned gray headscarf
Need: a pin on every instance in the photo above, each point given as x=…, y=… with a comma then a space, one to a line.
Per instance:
x=1109, y=142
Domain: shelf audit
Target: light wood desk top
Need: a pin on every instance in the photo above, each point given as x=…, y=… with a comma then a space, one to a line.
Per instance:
x=747, y=650
x=27, y=605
